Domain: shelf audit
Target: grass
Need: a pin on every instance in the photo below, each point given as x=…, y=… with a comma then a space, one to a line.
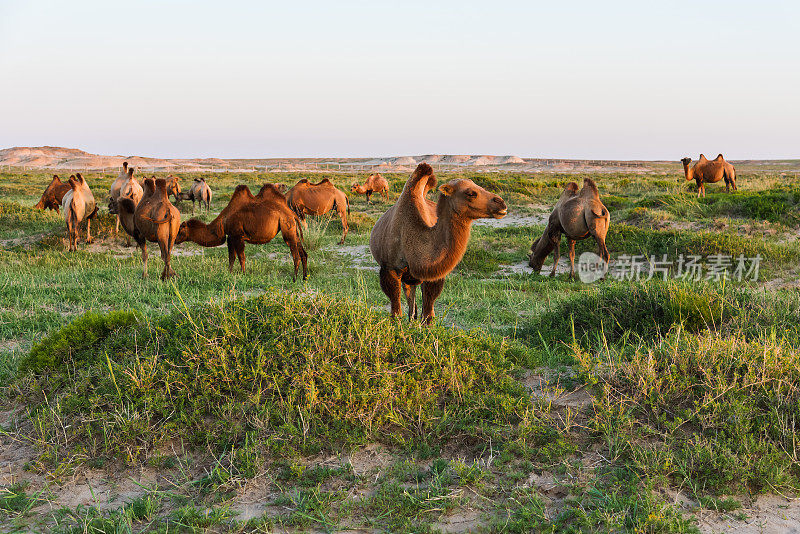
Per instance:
x=224, y=382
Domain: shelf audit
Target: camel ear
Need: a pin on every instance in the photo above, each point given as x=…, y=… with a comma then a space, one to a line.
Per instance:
x=447, y=189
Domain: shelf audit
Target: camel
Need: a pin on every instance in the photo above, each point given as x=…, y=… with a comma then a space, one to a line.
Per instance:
x=79, y=205
x=710, y=172
x=116, y=185
x=258, y=221
x=154, y=219
x=124, y=186
x=415, y=244
x=173, y=186
x=318, y=199
x=53, y=195
x=375, y=184
x=213, y=233
x=198, y=192
x=578, y=215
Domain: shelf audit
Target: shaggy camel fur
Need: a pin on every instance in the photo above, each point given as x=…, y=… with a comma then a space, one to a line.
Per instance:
x=199, y=192
x=53, y=195
x=116, y=186
x=710, y=172
x=375, y=184
x=578, y=215
x=259, y=221
x=213, y=233
x=413, y=244
x=78, y=205
x=318, y=199
x=154, y=219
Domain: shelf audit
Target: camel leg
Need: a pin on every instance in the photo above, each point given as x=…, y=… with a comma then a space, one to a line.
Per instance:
x=390, y=284
x=192, y=207
x=369, y=194
x=89, y=230
x=116, y=227
x=240, y=253
x=294, y=247
x=144, y=258
x=571, y=258
x=430, y=292
x=556, y=255
x=231, y=253
x=165, y=257
x=411, y=299
x=343, y=216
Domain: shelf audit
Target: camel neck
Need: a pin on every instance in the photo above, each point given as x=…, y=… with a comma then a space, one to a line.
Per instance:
x=446, y=244
x=686, y=170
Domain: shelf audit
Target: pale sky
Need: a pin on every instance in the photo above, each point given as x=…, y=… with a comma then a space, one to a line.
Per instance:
x=584, y=79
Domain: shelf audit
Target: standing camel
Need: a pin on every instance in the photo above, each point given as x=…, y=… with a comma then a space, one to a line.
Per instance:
x=78, y=205
x=710, y=172
x=413, y=244
x=259, y=221
x=199, y=192
x=578, y=215
x=375, y=184
x=53, y=195
x=306, y=198
x=154, y=219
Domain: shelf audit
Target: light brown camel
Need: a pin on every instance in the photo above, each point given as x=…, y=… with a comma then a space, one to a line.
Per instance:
x=306, y=198
x=78, y=205
x=199, y=192
x=259, y=221
x=578, y=215
x=154, y=219
x=53, y=195
x=413, y=244
x=213, y=233
x=375, y=184
x=173, y=186
x=116, y=185
x=710, y=172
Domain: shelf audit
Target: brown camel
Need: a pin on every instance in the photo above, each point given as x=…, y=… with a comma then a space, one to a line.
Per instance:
x=375, y=184
x=259, y=221
x=413, y=244
x=78, y=205
x=306, y=198
x=710, y=172
x=199, y=192
x=173, y=186
x=154, y=219
x=213, y=233
x=116, y=185
x=578, y=215
x=53, y=195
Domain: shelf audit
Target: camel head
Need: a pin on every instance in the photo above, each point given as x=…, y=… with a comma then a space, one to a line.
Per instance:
x=686, y=162
x=471, y=201
x=281, y=187
x=358, y=188
x=186, y=228
x=49, y=198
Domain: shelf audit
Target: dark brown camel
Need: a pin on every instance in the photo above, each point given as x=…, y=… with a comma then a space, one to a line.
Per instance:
x=154, y=219
x=53, y=195
x=413, y=244
x=578, y=215
x=259, y=221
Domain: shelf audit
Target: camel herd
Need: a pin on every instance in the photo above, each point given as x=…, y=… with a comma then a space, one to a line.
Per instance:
x=415, y=242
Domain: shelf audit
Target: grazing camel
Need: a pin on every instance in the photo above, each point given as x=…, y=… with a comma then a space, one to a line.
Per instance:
x=154, y=219
x=578, y=215
x=710, y=172
x=198, y=192
x=53, y=195
x=78, y=205
x=415, y=244
x=259, y=221
x=375, y=184
x=213, y=233
x=318, y=199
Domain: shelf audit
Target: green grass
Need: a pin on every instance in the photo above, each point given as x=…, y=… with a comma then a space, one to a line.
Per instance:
x=219, y=381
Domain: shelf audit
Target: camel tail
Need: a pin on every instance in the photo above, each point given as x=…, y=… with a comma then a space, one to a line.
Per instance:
x=347, y=200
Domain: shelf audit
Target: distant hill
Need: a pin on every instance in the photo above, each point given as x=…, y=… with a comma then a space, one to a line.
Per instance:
x=49, y=157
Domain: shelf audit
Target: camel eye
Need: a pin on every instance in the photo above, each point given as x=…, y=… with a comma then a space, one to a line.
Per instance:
x=471, y=194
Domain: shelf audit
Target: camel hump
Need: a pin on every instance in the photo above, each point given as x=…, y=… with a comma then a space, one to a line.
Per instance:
x=56, y=179
x=269, y=189
x=124, y=164
x=702, y=158
x=241, y=190
x=130, y=171
x=303, y=181
x=423, y=170
x=571, y=187
x=719, y=157
x=590, y=189
x=73, y=183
